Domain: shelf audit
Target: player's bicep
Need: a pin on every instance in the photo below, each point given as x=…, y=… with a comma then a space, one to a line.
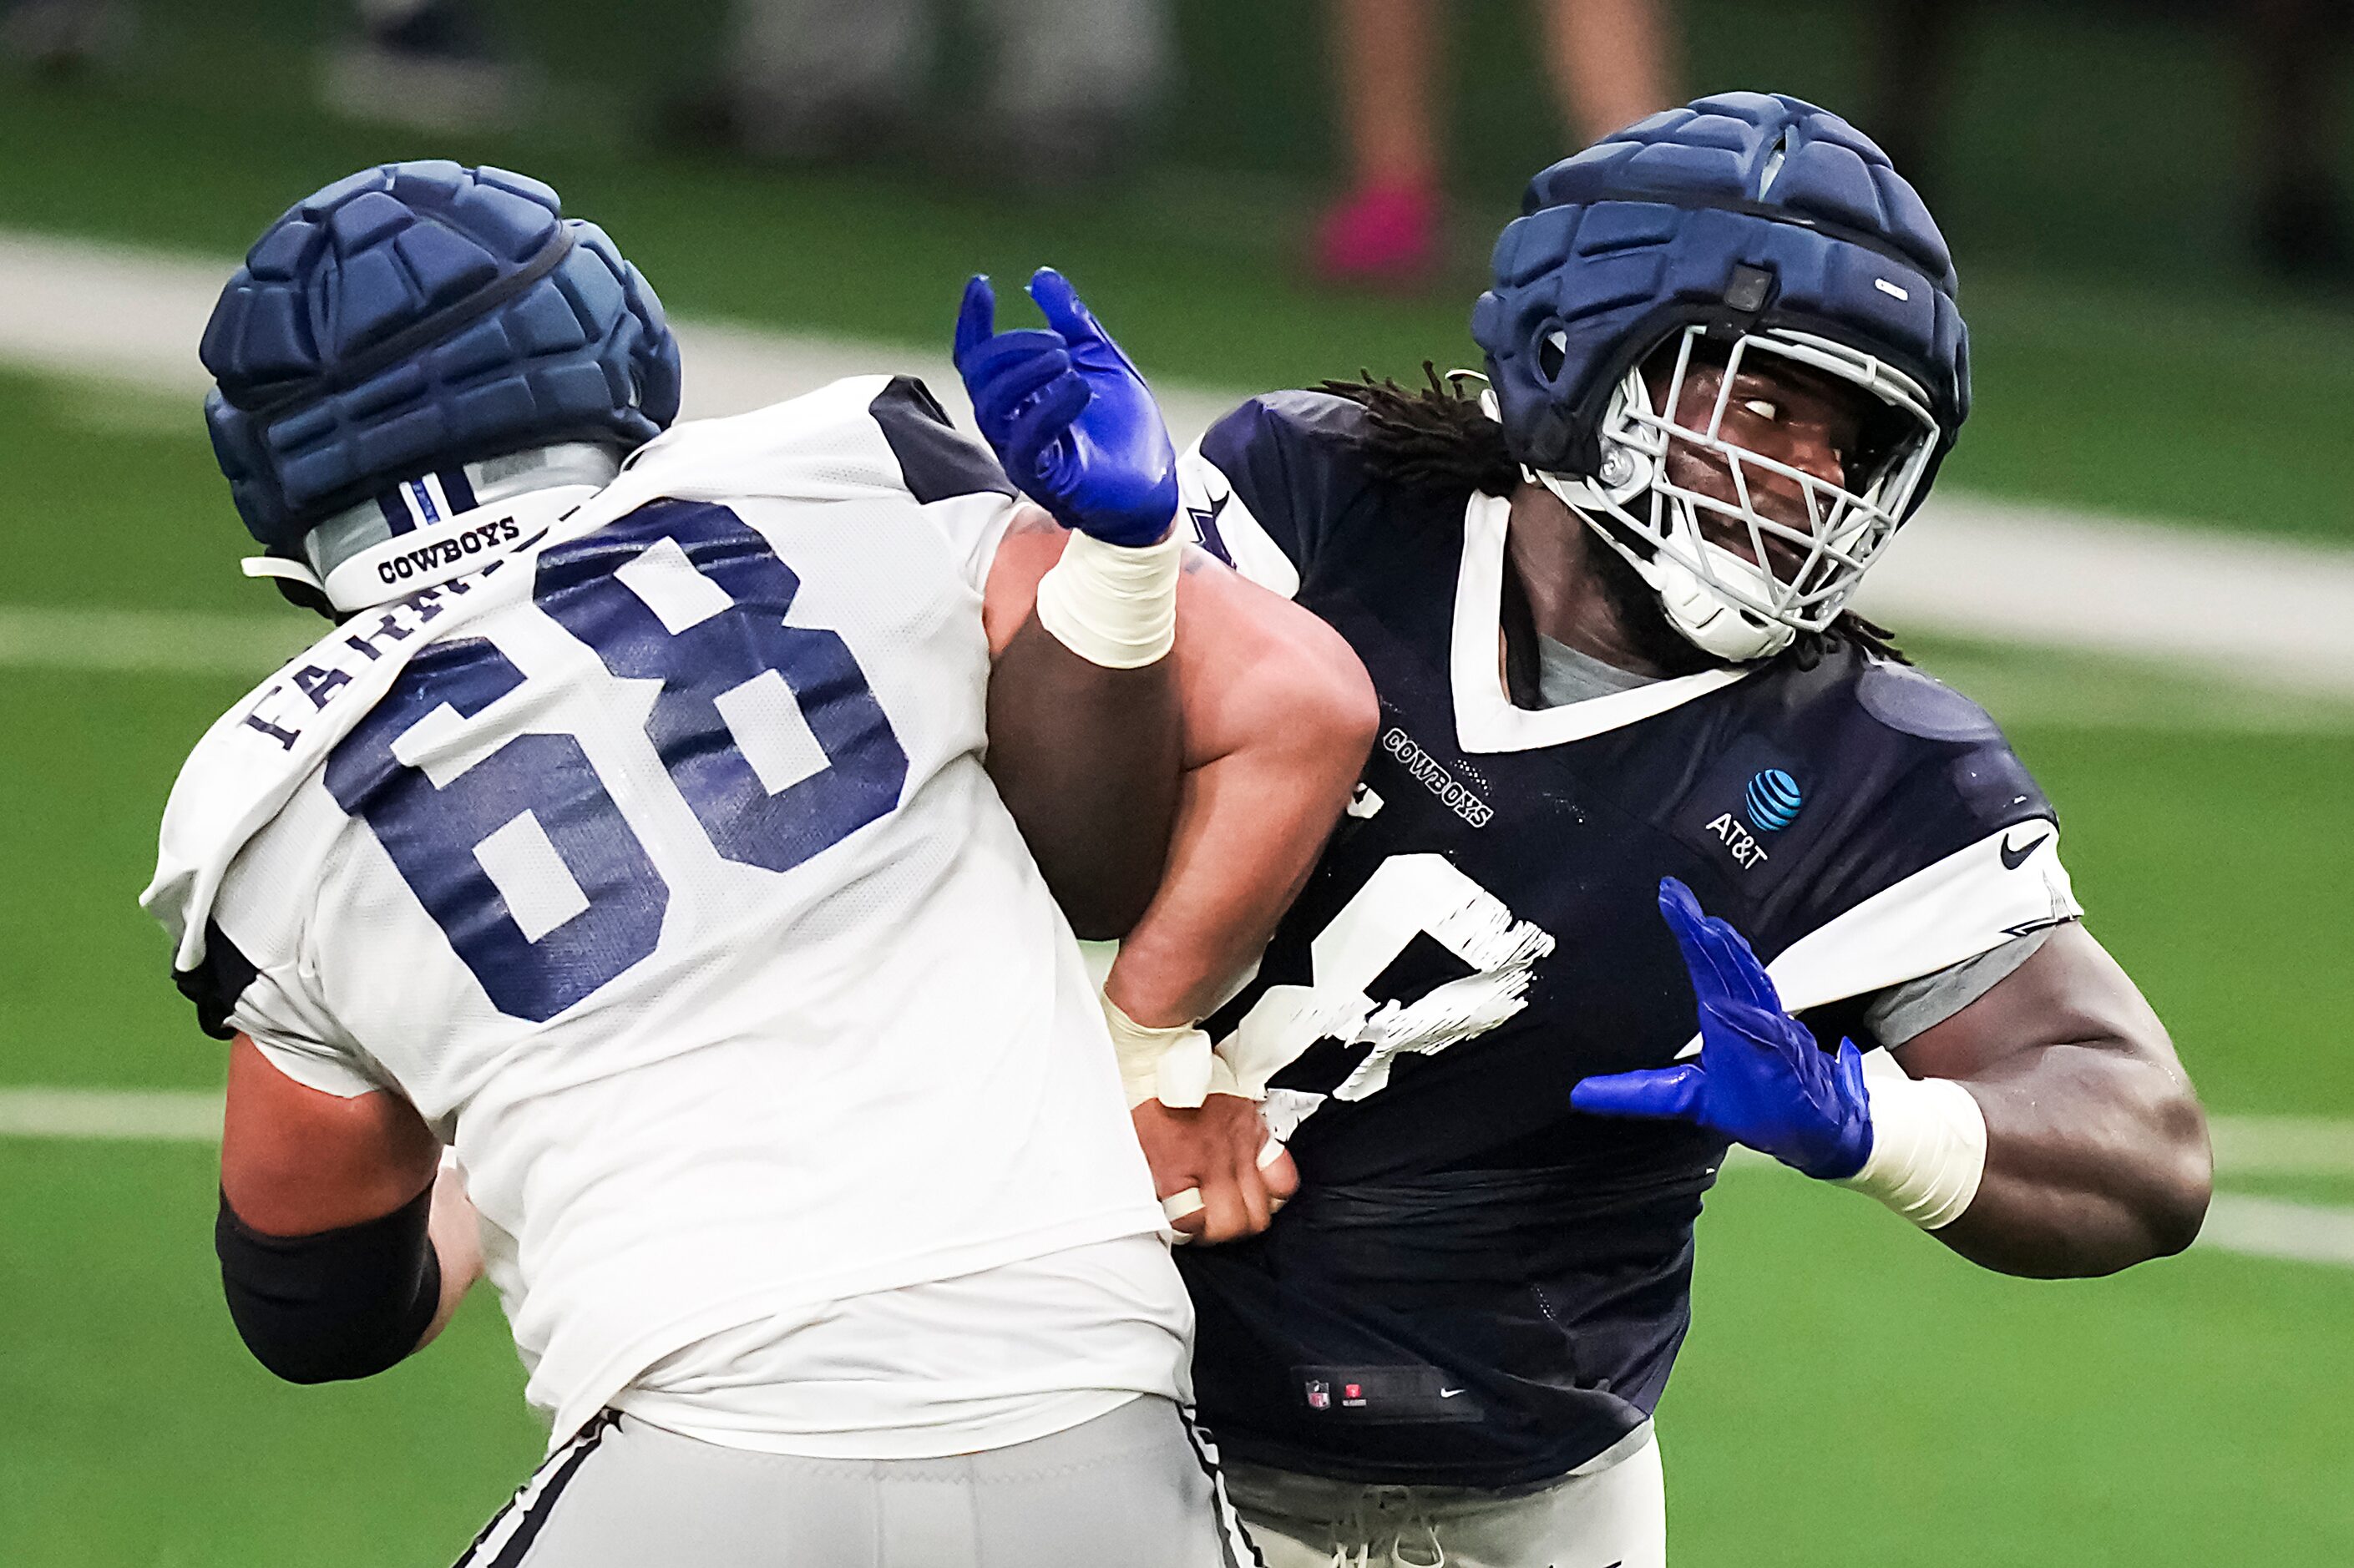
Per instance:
x=2068, y=992
x=297, y=1160
x=1904, y=1011
x=1255, y=671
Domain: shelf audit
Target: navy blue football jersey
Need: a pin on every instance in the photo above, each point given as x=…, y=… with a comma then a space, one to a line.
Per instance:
x=1478, y=1284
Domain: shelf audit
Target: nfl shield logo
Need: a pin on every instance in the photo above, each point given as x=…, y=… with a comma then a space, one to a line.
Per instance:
x=1320, y=1395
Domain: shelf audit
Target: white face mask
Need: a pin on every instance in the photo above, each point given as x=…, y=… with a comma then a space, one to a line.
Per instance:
x=1723, y=600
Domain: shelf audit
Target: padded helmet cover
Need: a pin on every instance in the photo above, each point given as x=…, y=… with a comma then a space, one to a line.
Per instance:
x=417, y=315
x=1745, y=212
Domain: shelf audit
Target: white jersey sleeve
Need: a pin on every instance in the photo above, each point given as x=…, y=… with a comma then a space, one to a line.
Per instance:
x=2004, y=892
x=261, y=977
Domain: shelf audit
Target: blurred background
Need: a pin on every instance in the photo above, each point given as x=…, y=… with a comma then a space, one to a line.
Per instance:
x=2142, y=559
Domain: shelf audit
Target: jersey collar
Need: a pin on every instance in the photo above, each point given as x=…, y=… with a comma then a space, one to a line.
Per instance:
x=1485, y=718
x=455, y=548
x=442, y=525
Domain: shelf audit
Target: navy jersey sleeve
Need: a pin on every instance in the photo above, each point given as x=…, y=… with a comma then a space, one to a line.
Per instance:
x=1266, y=485
x=1952, y=852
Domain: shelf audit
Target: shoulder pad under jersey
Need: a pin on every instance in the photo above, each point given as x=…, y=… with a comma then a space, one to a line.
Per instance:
x=862, y=436
x=1265, y=485
x=1937, y=844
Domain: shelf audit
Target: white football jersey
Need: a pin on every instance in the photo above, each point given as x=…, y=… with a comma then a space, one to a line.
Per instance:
x=655, y=864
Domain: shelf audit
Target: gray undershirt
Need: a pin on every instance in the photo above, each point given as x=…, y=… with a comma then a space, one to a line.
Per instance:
x=1565, y=676
x=1894, y=1015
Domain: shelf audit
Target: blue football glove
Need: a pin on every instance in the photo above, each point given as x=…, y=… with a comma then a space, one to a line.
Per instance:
x=1068, y=416
x=1761, y=1079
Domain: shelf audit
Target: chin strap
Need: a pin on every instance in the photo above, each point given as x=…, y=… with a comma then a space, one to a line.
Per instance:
x=1709, y=621
x=281, y=567
x=1701, y=615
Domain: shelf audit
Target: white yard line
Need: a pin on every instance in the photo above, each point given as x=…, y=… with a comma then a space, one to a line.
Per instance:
x=154, y=1116
x=2255, y=1227
x=2264, y=610
x=2273, y=1227
x=2277, y=614
x=151, y=641
x=2282, y=1146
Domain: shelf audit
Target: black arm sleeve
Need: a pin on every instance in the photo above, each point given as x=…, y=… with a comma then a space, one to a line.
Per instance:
x=340, y=1304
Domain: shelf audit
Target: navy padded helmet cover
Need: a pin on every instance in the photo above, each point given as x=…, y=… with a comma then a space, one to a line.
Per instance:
x=417, y=315
x=1643, y=233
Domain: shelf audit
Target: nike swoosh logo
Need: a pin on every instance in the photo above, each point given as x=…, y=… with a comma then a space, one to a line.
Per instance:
x=1448, y=1392
x=2012, y=859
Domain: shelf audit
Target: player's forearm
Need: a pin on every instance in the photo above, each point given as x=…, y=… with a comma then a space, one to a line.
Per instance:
x=1279, y=717
x=1088, y=761
x=2096, y=1159
x=1248, y=831
x=2095, y=1149
x=342, y=1251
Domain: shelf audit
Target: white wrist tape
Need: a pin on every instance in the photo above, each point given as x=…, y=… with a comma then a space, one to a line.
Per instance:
x=1928, y=1144
x=1173, y=1065
x=1114, y=605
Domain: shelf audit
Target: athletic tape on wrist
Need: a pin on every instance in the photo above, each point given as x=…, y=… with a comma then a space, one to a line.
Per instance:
x=1928, y=1144
x=1173, y=1065
x=1114, y=605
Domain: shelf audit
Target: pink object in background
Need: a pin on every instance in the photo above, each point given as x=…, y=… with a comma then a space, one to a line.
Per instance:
x=1381, y=235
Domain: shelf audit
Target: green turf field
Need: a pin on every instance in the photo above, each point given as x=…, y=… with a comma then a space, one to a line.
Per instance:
x=1851, y=1395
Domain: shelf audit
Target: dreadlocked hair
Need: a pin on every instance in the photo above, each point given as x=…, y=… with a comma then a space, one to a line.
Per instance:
x=1432, y=437
x=1438, y=437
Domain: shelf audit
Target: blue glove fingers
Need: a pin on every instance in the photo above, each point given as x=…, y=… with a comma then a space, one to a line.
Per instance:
x=1091, y=346
x=1654, y=1092
x=976, y=318
x=1719, y=957
x=1034, y=438
x=1846, y=1074
x=1681, y=911
x=999, y=397
x=1745, y=978
x=1060, y=304
x=1745, y=1017
x=983, y=365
